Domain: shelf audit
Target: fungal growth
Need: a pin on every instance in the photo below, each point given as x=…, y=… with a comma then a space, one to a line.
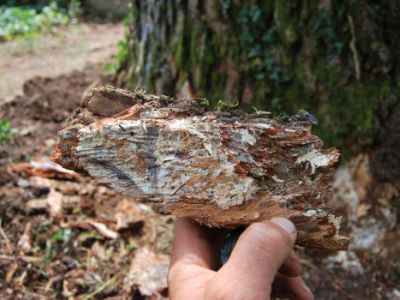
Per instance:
x=220, y=169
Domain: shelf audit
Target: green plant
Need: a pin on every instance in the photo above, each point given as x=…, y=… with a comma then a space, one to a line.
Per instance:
x=228, y=106
x=5, y=131
x=119, y=57
x=62, y=235
x=75, y=9
x=256, y=37
x=123, y=49
x=328, y=32
x=205, y=102
x=25, y=21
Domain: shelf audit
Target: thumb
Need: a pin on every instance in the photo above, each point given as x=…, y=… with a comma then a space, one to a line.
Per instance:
x=257, y=256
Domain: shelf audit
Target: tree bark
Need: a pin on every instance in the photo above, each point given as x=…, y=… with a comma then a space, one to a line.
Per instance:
x=220, y=169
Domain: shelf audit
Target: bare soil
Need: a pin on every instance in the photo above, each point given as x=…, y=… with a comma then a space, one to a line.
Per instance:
x=49, y=55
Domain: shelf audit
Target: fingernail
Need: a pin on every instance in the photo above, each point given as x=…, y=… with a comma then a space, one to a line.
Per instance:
x=307, y=290
x=295, y=257
x=286, y=224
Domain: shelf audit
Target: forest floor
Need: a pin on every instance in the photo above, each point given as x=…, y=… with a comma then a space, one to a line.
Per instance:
x=64, y=237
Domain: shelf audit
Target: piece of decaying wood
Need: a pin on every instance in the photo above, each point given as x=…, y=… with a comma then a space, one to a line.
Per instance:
x=41, y=167
x=220, y=169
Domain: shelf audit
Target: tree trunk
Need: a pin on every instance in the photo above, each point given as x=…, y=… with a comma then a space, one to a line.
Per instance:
x=336, y=59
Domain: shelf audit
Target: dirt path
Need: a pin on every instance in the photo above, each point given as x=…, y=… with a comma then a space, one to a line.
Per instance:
x=52, y=55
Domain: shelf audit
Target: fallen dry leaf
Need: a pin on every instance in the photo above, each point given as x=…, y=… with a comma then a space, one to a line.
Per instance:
x=103, y=229
x=129, y=213
x=8, y=246
x=36, y=205
x=24, y=242
x=148, y=272
x=11, y=271
x=55, y=203
x=362, y=210
x=99, y=251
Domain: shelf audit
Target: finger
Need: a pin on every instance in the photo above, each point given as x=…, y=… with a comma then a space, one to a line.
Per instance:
x=257, y=256
x=191, y=245
x=291, y=267
x=293, y=288
x=190, y=259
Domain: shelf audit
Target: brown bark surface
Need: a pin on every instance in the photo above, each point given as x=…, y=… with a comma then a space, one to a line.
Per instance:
x=220, y=169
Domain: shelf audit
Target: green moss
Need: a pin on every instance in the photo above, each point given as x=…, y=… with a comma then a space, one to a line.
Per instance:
x=197, y=31
x=223, y=105
x=179, y=44
x=350, y=112
x=218, y=77
x=327, y=72
x=347, y=120
x=285, y=21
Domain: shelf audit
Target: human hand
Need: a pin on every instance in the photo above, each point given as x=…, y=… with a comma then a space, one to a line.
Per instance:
x=261, y=263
